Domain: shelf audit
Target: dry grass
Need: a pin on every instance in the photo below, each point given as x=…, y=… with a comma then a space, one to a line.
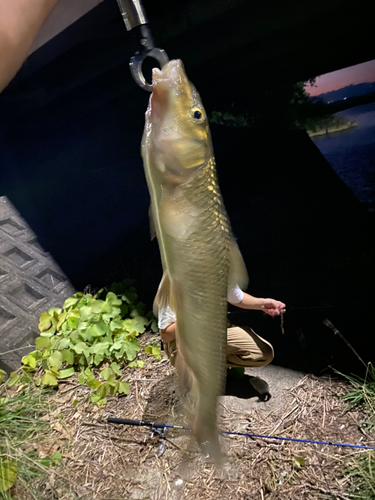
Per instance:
x=108, y=462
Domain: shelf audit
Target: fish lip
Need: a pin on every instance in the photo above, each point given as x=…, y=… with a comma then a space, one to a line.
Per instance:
x=170, y=76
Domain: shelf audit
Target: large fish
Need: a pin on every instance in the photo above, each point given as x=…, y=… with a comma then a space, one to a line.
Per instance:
x=199, y=254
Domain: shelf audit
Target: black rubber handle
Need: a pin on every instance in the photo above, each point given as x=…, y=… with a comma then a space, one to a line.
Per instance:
x=127, y=421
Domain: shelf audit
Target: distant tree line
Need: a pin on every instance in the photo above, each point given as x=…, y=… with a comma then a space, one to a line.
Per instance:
x=284, y=107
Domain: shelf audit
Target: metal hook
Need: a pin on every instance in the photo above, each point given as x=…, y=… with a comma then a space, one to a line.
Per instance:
x=135, y=20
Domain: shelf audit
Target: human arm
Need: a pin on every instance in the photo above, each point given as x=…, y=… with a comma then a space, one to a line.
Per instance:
x=169, y=333
x=269, y=306
x=20, y=22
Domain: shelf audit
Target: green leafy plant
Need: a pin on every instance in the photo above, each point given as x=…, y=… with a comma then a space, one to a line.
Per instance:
x=87, y=333
x=360, y=468
x=154, y=350
x=22, y=431
x=361, y=472
x=362, y=390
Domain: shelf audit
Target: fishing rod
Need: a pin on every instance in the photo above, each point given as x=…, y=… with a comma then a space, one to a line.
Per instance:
x=161, y=428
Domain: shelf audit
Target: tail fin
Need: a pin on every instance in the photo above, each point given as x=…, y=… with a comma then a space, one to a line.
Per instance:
x=207, y=433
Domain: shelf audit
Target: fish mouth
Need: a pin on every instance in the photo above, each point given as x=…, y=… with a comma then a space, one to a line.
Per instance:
x=172, y=75
x=166, y=84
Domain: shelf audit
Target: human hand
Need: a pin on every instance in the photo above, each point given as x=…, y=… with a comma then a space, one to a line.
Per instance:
x=272, y=307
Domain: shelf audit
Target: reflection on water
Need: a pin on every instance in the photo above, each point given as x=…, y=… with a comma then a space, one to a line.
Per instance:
x=352, y=153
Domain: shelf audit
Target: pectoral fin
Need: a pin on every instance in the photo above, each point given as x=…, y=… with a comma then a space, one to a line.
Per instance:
x=237, y=268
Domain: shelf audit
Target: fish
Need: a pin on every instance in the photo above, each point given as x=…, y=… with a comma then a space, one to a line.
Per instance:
x=199, y=254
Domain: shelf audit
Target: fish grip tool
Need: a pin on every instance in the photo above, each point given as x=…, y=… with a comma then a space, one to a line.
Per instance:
x=134, y=17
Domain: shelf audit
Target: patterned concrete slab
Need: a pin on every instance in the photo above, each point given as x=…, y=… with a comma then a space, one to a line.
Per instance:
x=30, y=282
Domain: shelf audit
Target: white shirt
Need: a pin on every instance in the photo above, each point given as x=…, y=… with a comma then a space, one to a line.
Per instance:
x=167, y=316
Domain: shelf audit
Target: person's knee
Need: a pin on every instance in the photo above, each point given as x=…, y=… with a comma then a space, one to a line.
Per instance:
x=264, y=357
x=268, y=355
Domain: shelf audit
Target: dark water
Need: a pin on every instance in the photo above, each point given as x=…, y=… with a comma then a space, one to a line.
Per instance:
x=352, y=153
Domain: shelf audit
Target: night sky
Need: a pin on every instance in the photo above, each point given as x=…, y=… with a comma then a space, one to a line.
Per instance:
x=360, y=73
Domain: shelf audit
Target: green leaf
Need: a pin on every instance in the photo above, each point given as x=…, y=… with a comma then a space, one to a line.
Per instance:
x=130, y=297
x=102, y=390
x=56, y=458
x=8, y=474
x=106, y=373
x=29, y=360
x=2, y=375
x=95, y=398
x=133, y=364
x=79, y=348
x=115, y=367
x=155, y=351
x=64, y=343
x=123, y=309
x=54, y=371
x=26, y=378
x=140, y=363
x=123, y=387
x=93, y=384
x=98, y=358
x=70, y=302
x=45, y=322
x=131, y=347
x=135, y=325
x=97, y=306
x=67, y=373
x=55, y=311
x=127, y=324
x=113, y=299
x=87, y=353
x=55, y=360
x=148, y=349
x=115, y=324
x=298, y=462
x=100, y=348
x=14, y=379
x=86, y=312
x=62, y=318
x=117, y=345
x=42, y=343
x=154, y=326
x=111, y=380
x=68, y=357
x=98, y=329
x=81, y=378
x=73, y=322
x=114, y=388
x=49, y=379
x=48, y=333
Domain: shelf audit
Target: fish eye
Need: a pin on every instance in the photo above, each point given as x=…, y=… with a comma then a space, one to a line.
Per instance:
x=197, y=114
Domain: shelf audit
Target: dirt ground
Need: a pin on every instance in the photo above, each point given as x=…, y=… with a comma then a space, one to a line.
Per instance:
x=111, y=462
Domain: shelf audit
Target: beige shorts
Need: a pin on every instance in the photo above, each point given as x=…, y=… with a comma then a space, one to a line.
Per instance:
x=244, y=348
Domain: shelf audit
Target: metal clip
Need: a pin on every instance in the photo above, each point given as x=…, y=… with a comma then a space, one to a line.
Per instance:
x=135, y=20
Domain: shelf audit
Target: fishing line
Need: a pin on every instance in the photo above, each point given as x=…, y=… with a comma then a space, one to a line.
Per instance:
x=158, y=425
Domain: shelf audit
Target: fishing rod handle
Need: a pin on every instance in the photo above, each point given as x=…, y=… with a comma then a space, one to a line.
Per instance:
x=127, y=421
x=133, y=13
